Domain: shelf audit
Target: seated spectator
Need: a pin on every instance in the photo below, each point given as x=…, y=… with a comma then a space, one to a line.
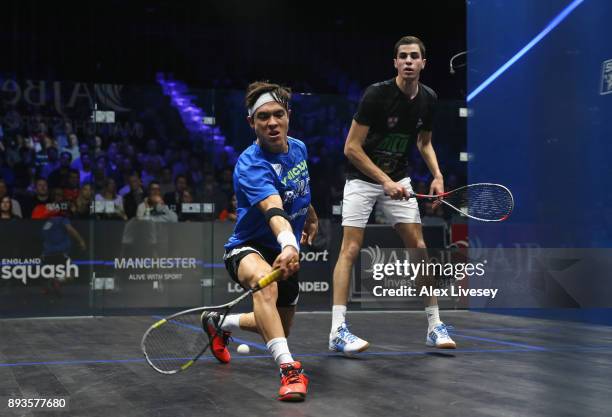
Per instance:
x=6, y=208
x=172, y=198
x=227, y=182
x=56, y=206
x=135, y=196
x=71, y=189
x=15, y=206
x=186, y=197
x=98, y=180
x=212, y=194
x=153, y=207
x=78, y=162
x=81, y=207
x=109, y=195
x=59, y=177
x=151, y=170
x=125, y=170
x=229, y=213
x=52, y=163
x=86, y=169
x=73, y=147
x=41, y=196
x=165, y=181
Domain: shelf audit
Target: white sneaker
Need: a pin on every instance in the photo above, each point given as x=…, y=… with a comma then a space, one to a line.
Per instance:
x=342, y=340
x=439, y=338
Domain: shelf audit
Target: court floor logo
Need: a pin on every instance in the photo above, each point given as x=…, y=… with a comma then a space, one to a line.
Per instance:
x=606, y=77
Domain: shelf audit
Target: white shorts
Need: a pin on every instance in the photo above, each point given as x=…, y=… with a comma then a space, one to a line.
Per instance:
x=359, y=199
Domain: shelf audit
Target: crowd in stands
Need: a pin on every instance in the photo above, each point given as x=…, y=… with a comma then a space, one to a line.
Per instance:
x=87, y=172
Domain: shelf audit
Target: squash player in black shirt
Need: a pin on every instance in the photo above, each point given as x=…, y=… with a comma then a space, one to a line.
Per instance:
x=392, y=116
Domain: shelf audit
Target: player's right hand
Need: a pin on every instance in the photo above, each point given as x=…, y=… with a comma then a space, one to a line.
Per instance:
x=395, y=190
x=287, y=261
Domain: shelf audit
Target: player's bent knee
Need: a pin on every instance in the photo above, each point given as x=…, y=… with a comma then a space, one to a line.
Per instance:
x=267, y=295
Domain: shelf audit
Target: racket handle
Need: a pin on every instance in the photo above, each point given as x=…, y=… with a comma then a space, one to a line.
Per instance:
x=270, y=278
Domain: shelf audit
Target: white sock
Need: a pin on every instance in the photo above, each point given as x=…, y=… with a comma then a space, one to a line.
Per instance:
x=433, y=317
x=231, y=322
x=338, y=316
x=279, y=350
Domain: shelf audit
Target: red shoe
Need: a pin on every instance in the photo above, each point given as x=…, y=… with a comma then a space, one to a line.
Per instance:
x=294, y=382
x=218, y=338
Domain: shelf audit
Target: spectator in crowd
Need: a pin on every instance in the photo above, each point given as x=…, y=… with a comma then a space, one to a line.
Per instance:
x=229, y=213
x=153, y=207
x=151, y=170
x=71, y=188
x=6, y=173
x=6, y=208
x=212, y=194
x=98, y=179
x=86, y=169
x=83, y=150
x=186, y=197
x=97, y=149
x=173, y=198
x=4, y=193
x=165, y=181
x=73, y=147
x=59, y=177
x=109, y=195
x=52, y=164
x=135, y=196
x=56, y=204
x=227, y=182
x=41, y=196
x=81, y=207
x=23, y=167
x=126, y=169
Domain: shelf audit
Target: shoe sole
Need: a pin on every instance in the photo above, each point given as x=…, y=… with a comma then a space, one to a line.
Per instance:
x=442, y=346
x=293, y=397
x=350, y=354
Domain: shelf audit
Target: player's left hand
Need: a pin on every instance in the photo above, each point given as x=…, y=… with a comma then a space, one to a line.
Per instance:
x=310, y=231
x=436, y=187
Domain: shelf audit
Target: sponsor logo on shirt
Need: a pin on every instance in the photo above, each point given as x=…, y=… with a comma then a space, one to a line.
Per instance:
x=392, y=121
x=301, y=169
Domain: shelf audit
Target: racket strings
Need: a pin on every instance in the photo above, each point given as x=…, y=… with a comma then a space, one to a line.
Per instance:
x=176, y=342
x=482, y=201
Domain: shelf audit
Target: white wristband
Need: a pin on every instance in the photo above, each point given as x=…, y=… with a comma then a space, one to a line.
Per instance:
x=286, y=238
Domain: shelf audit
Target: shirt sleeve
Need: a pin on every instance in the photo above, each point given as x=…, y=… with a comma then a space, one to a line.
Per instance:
x=257, y=183
x=369, y=107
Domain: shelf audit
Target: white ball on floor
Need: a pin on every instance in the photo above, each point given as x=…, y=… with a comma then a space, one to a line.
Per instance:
x=243, y=349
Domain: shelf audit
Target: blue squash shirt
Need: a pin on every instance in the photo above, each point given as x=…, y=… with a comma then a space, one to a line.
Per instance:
x=259, y=174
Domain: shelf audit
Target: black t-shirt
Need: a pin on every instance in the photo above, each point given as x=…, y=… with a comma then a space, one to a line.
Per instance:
x=394, y=122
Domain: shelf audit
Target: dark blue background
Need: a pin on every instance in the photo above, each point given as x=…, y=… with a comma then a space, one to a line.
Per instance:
x=543, y=128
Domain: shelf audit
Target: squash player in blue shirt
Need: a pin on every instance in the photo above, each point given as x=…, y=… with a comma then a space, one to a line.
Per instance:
x=271, y=183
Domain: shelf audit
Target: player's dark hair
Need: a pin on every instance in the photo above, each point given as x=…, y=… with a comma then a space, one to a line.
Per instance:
x=257, y=88
x=409, y=40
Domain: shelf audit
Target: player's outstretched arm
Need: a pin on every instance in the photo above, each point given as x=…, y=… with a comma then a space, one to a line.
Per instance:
x=278, y=220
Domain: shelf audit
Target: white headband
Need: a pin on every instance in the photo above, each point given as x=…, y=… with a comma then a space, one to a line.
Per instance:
x=263, y=99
